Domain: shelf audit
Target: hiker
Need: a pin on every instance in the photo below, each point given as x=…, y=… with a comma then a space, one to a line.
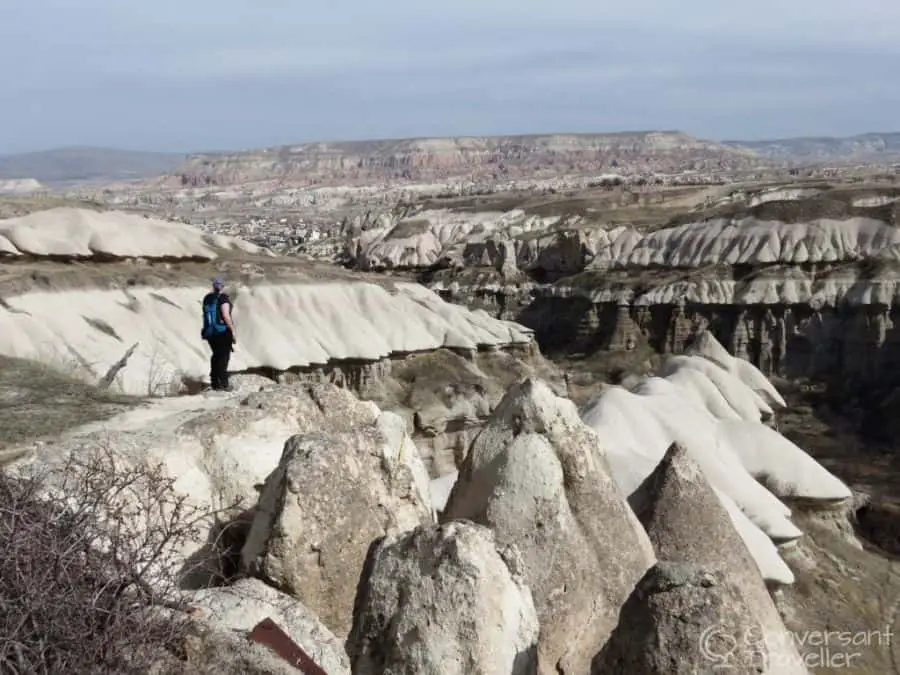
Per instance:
x=218, y=331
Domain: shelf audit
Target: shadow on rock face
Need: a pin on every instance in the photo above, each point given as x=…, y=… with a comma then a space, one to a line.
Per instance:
x=217, y=563
x=878, y=522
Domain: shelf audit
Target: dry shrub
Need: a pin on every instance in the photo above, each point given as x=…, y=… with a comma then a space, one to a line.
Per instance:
x=84, y=586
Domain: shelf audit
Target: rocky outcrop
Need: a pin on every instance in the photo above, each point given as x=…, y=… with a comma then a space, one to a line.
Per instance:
x=240, y=607
x=687, y=523
x=685, y=619
x=446, y=397
x=788, y=340
x=799, y=281
x=219, y=452
x=308, y=324
x=537, y=477
x=717, y=407
x=330, y=497
x=340, y=518
x=444, y=600
x=496, y=157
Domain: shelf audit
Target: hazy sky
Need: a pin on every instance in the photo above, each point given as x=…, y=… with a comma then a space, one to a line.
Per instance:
x=217, y=74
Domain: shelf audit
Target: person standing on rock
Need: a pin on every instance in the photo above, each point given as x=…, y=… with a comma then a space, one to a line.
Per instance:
x=218, y=331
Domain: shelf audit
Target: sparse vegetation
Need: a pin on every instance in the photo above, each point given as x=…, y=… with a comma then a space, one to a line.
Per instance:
x=38, y=401
x=80, y=583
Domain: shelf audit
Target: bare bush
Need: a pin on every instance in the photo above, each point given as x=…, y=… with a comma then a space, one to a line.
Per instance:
x=85, y=578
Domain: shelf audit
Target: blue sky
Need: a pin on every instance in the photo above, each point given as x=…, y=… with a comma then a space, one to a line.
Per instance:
x=220, y=74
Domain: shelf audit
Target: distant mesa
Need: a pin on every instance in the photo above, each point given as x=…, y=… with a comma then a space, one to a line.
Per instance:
x=483, y=157
x=423, y=159
x=870, y=146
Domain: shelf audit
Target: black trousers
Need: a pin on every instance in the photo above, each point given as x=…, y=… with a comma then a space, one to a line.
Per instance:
x=218, y=362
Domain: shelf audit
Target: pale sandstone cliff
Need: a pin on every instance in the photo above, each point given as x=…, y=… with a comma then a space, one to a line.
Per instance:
x=433, y=158
x=800, y=282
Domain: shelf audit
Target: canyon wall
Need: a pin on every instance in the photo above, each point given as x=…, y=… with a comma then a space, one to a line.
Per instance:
x=802, y=283
x=859, y=343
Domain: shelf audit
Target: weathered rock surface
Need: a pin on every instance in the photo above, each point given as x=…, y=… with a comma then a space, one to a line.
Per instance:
x=684, y=619
x=241, y=606
x=800, y=281
x=282, y=327
x=715, y=407
x=536, y=475
x=446, y=397
x=104, y=235
x=355, y=162
x=687, y=523
x=93, y=322
x=214, y=652
x=444, y=600
x=331, y=496
x=220, y=449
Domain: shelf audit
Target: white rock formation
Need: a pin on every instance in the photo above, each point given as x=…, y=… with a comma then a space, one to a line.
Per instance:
x=424, y=238
x=82, y=233
x=428, y=236
x=241, y=606
x=784, y=286
x=331, y=496
x=715, y=412
x=279, y=326
x=444, y=600
x=706, y=345
x=742, y=399
x=537, y=476
x=753, y=241
x=221, y=449
x=687, y=523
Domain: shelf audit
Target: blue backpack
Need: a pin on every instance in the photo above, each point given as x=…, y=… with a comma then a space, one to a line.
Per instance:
x=212, y=317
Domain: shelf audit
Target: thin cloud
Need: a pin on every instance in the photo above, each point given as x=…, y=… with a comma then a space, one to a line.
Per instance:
x=239, y=73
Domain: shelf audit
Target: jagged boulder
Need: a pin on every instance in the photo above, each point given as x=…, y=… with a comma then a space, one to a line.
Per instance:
x=444, y=600
x=687, y=523
x=537, y=476
x=214, y=652
x=240, y=607
x=331, y=496
x=447, y=397
x=684, y=619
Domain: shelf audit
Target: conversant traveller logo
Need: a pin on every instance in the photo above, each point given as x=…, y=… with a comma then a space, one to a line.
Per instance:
x=729, y=648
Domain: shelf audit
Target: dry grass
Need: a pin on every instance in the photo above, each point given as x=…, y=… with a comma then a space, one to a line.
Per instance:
x=37, y=401
x=13, y=206
x=640, y=206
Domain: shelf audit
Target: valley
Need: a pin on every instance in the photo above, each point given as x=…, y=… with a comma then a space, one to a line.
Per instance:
x=575, y=363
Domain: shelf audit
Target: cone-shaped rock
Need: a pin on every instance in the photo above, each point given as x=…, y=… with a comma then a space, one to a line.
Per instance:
x=443, y=600
x=684, y=619
x=687, y=523
x=537, y=476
